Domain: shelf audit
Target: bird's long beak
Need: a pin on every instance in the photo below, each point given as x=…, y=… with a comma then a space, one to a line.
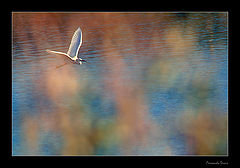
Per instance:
x=83, y=60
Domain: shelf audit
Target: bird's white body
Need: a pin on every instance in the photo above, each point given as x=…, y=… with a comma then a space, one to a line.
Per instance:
x=73, y=50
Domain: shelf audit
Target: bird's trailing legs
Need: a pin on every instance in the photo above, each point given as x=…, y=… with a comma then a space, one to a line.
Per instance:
x=61, y=65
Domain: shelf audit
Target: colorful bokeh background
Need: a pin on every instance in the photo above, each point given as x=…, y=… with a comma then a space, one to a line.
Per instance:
x=155, y=84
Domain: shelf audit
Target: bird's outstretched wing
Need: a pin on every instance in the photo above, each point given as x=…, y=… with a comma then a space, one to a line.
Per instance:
x=66, y=56
x=56, y=52
x=75, y=43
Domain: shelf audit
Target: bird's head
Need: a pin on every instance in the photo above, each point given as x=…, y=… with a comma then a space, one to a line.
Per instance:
x=80, y=61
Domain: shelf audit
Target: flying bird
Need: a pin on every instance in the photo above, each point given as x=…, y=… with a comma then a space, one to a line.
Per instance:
x=72, y=55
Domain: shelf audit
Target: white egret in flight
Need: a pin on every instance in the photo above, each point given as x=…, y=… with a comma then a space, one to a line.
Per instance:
x=72, y=54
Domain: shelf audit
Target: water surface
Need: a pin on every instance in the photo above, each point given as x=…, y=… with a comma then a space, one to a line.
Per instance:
x=151, y=82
